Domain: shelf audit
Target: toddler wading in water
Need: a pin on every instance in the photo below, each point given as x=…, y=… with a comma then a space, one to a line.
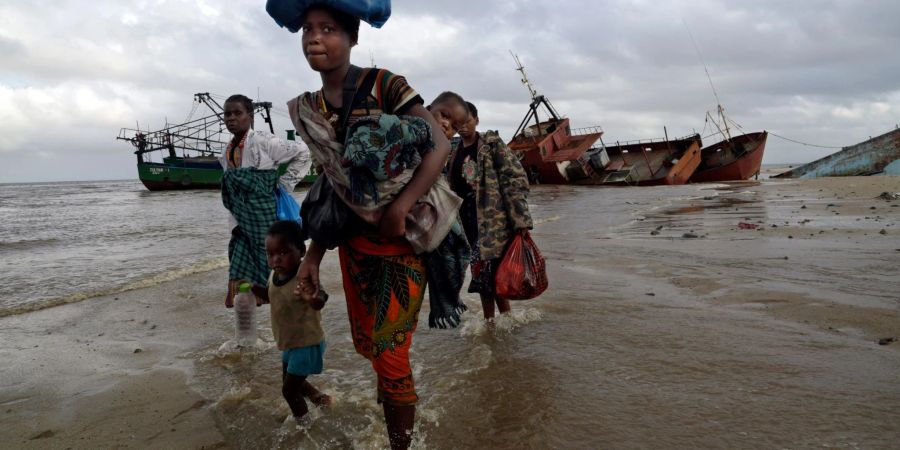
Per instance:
x=296, y=320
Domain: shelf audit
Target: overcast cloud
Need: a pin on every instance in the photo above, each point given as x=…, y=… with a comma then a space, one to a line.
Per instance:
x=820, y=71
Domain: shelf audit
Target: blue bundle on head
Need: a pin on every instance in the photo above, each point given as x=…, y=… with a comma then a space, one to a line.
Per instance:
x=288, y=13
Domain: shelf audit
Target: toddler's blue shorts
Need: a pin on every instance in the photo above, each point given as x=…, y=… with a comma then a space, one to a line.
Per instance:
x=303, y=361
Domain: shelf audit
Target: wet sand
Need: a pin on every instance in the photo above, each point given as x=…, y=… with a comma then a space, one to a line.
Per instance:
x=824, y=252
x=649, y=337
x=111, y=372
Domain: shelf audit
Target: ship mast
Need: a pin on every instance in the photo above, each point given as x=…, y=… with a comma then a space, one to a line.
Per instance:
x=536, y=99
x=525, y=80
x=720, y=109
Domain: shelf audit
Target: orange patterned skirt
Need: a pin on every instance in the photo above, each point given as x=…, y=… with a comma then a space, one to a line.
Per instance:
x=384, y=282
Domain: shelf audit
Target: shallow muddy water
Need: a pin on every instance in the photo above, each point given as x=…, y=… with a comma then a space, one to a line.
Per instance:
x=619, y=353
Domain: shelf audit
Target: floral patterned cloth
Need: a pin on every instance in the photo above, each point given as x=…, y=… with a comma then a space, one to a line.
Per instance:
x=381, y=147
x=384, y=283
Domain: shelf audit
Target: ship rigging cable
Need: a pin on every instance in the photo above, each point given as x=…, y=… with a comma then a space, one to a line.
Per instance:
x=709, y=119
x=702, y=61
x=802, y=143
x=721, y=111
x=191, y=114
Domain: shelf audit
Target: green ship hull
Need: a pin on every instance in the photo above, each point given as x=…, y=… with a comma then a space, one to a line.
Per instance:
x=190, y=173
x=200, y=142
x=175, y=175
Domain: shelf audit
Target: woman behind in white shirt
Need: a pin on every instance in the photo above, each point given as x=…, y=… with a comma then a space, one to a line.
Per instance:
x=260, y=150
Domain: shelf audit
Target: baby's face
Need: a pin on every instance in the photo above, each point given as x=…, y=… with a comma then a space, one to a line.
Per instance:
x=451, y=116
x=282, y=256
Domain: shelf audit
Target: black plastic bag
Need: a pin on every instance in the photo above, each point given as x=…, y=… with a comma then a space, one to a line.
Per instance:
x=324, y=214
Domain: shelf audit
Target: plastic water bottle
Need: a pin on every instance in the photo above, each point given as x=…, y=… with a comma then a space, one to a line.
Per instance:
x=245, y=317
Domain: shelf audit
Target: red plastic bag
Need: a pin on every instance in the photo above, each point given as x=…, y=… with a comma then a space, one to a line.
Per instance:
x=522, y=274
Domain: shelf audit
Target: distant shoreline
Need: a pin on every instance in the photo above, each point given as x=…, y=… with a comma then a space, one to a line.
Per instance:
x=14, y=183
x=21, y=183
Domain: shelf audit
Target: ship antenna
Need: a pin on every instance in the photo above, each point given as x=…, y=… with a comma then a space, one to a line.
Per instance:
x=372, y=58
x=719, y=108
x=525, y=79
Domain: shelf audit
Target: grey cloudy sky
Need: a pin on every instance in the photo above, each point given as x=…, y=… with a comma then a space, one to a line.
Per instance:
x=820, y=71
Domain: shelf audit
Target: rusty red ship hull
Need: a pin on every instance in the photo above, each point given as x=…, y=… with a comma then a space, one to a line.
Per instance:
x=547, y=147
x=646, y=163
x=731, y=160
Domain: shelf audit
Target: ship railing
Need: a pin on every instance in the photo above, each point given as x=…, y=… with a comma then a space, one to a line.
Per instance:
x=651, y=140
x=586, y=130
x=204, y=135
x=177, y=138
x=186, y=140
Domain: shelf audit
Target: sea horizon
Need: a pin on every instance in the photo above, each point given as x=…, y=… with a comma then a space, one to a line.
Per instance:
x=111, y=180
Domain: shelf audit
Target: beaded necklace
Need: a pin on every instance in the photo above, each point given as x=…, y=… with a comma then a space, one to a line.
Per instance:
x=235, y=157
x=330, y=116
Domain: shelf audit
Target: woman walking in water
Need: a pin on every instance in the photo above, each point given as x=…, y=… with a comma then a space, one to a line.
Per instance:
x=383, y=276
x=494, y=188
x=248, y=194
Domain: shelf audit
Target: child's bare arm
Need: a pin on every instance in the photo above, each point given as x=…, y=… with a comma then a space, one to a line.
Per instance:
x=260, y=291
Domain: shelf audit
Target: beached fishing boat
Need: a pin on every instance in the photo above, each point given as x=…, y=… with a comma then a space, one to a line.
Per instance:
x=553, y=153
x=547, y=148
x=188, y=153
x=181, y=172
x=879, y=155
x=641, y=163
x=734, y=159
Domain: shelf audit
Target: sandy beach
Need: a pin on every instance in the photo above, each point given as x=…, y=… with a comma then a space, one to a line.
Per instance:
x=742, y=315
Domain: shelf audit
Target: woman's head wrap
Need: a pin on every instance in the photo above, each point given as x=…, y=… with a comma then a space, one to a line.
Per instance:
x=290, y=13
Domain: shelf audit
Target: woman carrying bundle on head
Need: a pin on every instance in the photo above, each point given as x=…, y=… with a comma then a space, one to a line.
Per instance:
x=381, y=158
